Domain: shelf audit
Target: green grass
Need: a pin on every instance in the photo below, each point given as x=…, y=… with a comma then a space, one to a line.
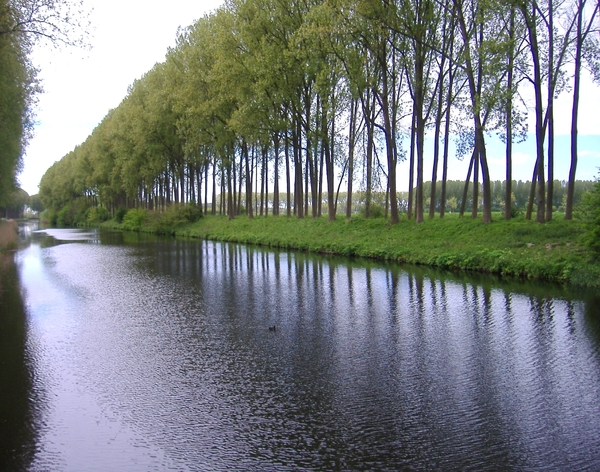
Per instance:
x=517, y=248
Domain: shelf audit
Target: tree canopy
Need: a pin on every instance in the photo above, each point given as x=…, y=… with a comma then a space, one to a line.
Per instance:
x=308, y=95
x=23, y=23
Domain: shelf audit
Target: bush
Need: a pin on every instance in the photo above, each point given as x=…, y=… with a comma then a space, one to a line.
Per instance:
x=375, y=211
x=514, y=211
x=175, y=216
x=121, y=212
x=96, y=215
x=590, y=212
x=73, y=214
x=134, y=219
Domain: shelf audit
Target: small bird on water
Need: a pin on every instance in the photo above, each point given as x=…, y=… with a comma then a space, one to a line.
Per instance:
x=272, y=328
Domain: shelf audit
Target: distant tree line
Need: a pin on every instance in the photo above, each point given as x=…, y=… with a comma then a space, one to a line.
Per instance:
x=454, y=200
x=280, y=106
x=18, y=202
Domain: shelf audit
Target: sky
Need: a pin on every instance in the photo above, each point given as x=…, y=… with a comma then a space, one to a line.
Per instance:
x=129, y=36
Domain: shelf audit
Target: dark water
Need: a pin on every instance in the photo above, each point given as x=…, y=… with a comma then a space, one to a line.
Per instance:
x=127, y=353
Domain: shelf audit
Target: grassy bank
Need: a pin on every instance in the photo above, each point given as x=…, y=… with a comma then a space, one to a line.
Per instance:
x=518, y=248
x=8, y=235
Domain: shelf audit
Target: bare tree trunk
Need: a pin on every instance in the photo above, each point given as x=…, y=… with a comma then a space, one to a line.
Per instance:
x=436, y=145
x=246, y=157
x=288, y=203
x=411, y=171
x=276, y=176
x=550, y=113
x=351, y=145
x=580, y=38
x=370, y=126
x=475, y=207
x=532, y=192
x=463, y=202
x=509, y=120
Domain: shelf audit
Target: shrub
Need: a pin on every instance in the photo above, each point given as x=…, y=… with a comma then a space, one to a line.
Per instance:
x=375, y=211
x=134, y=219
x=121, y=212
x=590, y=211
x=175, y=216
x=190, y=212
x=514, y=211
x=96, y=215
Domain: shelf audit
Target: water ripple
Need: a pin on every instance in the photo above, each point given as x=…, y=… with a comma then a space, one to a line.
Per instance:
x=164, y=348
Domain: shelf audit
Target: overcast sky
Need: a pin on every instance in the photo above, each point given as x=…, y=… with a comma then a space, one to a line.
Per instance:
x=130, y=36
x=80, y=87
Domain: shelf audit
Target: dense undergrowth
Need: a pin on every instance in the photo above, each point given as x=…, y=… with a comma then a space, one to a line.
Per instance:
x=555, y=251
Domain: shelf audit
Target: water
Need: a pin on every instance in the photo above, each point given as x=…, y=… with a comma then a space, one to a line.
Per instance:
x=134, y=353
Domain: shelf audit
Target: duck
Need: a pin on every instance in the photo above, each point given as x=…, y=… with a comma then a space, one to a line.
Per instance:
x=272, y=328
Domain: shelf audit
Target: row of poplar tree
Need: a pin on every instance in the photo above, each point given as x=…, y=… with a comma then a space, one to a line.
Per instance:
x=321, y=95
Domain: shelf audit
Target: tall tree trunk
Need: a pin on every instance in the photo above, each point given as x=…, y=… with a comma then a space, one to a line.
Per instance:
x=420, y=133
x=214, y=186
x=532, y=193
x=206, y=187
x=475, y=207
x=298, y=194
x=411, y=170
x=446, y=140
x=550, y=112
x=230, y=208
x=509, y=119
x=580, y=39
x=463, y=202
x=276, y=143
x=370, y=127
x=330, y=170
x=288, y=202
x=391, y=160
x=246, y=156
x=351, y=145
x=436, y=144
x=531, y=21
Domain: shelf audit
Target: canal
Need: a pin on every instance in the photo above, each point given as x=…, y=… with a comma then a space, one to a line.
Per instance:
x=130, y=352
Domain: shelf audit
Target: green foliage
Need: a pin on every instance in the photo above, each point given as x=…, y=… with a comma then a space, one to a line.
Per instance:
x=17, y=88
x=95, y=215
x=174, y=217
x=15, y=204
x=134, y=219
x=375, y=211
x=258, y=80
x=590, y=211
x=120, y=214
x=73, y=214
x=35, y=203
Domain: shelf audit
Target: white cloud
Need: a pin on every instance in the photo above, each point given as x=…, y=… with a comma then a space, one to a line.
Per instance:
x=588, y=154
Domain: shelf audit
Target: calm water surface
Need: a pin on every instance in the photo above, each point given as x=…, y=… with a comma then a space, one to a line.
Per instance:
x=129, y=353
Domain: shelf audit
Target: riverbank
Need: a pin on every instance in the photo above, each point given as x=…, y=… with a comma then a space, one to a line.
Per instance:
x=517, y=248
x=8, y=235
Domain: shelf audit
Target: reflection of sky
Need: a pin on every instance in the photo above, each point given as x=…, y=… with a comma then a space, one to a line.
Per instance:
x=67, y=234
x=75, y=432
x=160, y=352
